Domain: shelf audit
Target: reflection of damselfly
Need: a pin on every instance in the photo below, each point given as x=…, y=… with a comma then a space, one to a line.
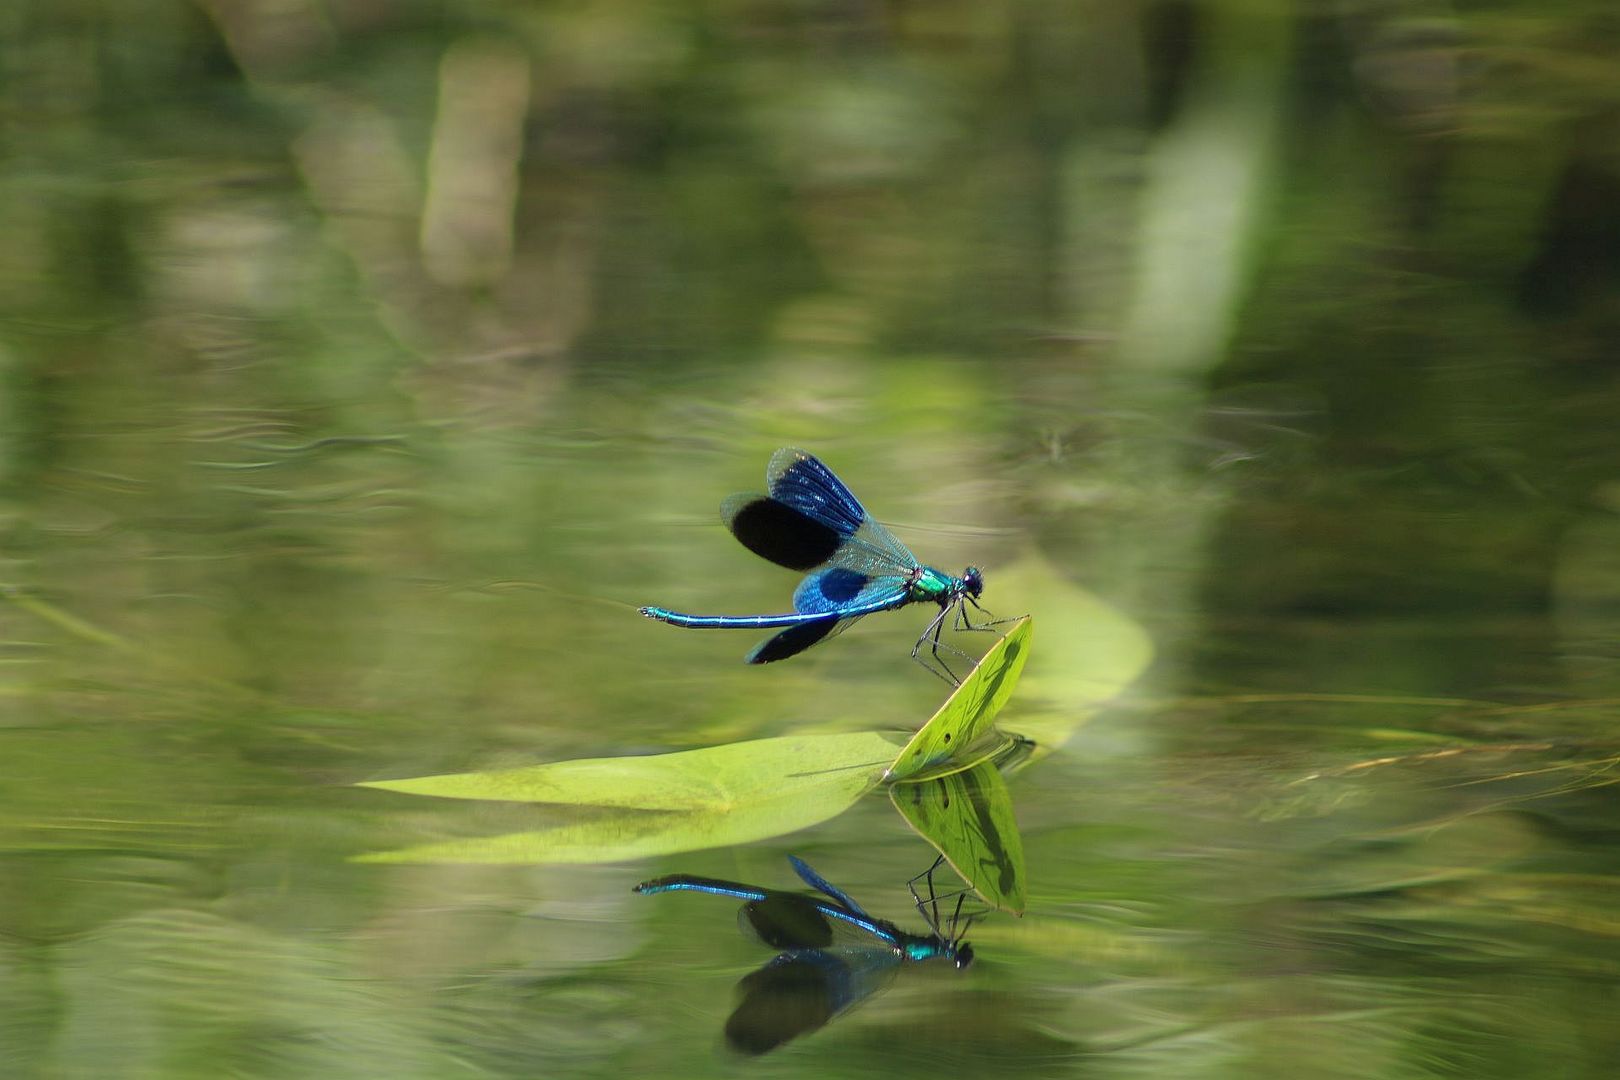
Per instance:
x=811, y=521
x=813, y=980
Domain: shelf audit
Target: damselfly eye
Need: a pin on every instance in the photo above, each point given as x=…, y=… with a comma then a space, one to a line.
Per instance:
x=964, y=955
x=973, y=580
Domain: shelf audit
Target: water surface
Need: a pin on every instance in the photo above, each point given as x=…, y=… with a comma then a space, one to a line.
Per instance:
x=361, y=375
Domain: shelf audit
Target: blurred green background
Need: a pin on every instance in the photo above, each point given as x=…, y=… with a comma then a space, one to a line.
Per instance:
x=363, y=363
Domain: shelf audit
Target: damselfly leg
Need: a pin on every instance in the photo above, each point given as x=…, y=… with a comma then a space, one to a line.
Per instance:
x=928, y=907
x=961, y=621
x=965, y=622
x=930, y=637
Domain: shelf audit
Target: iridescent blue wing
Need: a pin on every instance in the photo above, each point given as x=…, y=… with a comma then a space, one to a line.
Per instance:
x=810, y=519
x=798, y=992
x=800, y=481
x=834, y=591
x=839, y=589
x=809, y=876
x=874, y=549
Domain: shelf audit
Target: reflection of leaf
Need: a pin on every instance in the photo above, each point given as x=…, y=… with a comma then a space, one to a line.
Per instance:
x=968, y=713
x=968, y=816
x=715, y=797
x=1090, y=652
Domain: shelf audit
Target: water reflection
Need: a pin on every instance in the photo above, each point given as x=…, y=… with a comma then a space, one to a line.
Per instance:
x=815, y=978
x=968, y=817
x=353, y=393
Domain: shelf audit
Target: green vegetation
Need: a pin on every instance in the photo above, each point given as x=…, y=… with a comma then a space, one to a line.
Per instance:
x=364, y=364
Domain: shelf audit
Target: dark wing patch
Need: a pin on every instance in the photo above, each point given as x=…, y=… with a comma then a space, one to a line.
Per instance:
x=830, y=590
x=775, y=531
x=792, y=641
x=788, y=921
x=793, y=995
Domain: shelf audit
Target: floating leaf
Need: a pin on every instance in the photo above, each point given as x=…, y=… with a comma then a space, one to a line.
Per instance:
x=665, y=803
x=1090, y=651
x=991, y=745
x=968, y=817
x=968, y=713
x=716, y=777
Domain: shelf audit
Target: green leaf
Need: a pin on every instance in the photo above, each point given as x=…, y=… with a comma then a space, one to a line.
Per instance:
x=716, y=777
x=968, y=713
x=714, y=797
x=968, y=817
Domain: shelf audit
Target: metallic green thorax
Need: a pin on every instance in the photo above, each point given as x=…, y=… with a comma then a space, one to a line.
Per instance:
x=921, y=948
x=930, y=584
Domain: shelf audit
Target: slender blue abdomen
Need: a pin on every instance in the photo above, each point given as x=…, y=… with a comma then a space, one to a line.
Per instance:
x=798, y=618
x=730, y=622
x=714, y=886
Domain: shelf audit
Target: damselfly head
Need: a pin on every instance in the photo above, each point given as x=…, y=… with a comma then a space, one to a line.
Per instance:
x=973, y=581
x=964, y=955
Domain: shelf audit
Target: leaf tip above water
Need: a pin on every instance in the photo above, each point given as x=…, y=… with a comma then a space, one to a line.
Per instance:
x=971, y=709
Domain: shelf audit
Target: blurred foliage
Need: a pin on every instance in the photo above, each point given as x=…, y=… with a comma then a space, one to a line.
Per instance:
x=364, y=362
